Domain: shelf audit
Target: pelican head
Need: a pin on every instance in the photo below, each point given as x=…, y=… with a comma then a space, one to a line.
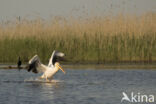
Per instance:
x=57, y=65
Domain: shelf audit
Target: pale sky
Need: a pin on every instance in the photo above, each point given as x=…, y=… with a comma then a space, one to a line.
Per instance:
x=10, y=9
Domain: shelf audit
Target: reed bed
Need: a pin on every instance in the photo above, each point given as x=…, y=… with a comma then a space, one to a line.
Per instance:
x=101, y=39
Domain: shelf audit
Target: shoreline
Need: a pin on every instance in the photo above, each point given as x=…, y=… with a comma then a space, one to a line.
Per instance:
x=104, y=66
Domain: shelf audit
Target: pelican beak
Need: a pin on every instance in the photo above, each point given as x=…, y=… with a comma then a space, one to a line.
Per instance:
x=61, y=69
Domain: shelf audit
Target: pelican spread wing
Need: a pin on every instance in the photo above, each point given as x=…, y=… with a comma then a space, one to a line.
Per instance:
x=54, y=58
x=35, y=65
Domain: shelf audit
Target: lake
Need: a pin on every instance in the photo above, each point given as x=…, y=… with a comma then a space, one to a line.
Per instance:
x=77, y=86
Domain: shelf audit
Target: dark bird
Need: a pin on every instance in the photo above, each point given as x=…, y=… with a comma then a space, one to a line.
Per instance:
x=19, y=63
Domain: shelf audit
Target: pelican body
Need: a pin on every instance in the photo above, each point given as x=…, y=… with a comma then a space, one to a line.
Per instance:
x=50, y=70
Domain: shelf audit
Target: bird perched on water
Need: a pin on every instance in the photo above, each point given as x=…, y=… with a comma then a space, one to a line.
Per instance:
x=48, y=71
x=19, y=63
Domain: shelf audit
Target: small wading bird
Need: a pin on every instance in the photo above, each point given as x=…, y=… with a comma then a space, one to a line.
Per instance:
x=19, y=63
x=36, y=66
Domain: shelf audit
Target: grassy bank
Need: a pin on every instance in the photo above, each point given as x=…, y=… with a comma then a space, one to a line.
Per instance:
x=94, y=39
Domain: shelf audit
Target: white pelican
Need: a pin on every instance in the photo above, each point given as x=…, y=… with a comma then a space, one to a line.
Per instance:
x=36, y=66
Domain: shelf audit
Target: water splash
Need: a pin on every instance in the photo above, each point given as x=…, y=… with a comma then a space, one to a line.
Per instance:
x=39, y=80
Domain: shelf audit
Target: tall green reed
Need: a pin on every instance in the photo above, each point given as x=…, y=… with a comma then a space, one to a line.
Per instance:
x=92, y=40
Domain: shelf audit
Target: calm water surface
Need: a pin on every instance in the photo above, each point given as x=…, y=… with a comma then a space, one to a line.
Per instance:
x=76, y=87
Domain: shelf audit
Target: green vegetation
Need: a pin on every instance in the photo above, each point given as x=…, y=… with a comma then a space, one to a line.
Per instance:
x=94, y=39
